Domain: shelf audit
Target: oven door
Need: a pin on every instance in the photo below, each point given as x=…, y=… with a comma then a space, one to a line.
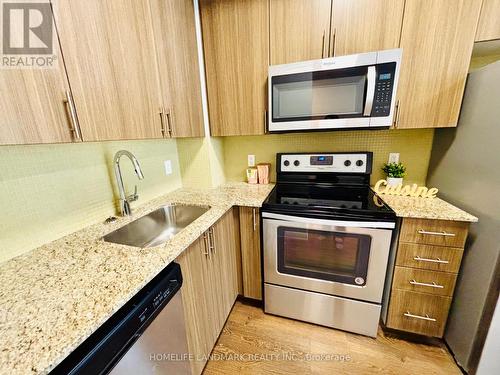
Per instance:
x=341, y=258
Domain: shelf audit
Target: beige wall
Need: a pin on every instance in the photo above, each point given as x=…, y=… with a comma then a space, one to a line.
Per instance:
x=48, y=191
x=201, y=161
x=413, y=145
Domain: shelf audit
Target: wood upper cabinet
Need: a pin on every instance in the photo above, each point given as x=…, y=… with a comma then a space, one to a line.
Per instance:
x=299, y=30
x=250, y=252
x=109, y=52
x=32, y=104
x=437, y=39
x=236, y=46
x=365, y=25
x=176, y=48
x=488, y=27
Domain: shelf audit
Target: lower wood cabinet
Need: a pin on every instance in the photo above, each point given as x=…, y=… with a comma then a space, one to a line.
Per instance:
x=196, y=298
x=431, y=282
x=418, y=312
x=250, y=252
x=427, y=265
x=210, y=269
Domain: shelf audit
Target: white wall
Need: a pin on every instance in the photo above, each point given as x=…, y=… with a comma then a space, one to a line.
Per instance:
x=490, y=361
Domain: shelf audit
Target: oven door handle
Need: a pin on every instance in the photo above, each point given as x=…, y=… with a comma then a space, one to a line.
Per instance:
x=370, y=90
x=336, y=223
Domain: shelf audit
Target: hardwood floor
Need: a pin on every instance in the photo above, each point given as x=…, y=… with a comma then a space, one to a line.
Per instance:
x=255, y=343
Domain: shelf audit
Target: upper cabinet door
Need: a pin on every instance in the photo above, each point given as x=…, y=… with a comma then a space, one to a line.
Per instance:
x=175, y=36
x=365, y=25
x=300, y=30
x=488, y=27
x=437, y=40
x=32, y=104
x=110, y=58
x=236, y=45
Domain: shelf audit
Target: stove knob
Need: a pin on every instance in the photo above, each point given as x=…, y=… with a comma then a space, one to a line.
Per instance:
x=296, y=163
x=359, y=163
x=286, y=163
x=347, y=163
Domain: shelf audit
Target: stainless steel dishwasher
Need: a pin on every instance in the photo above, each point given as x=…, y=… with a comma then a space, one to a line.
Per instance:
x=146, y=336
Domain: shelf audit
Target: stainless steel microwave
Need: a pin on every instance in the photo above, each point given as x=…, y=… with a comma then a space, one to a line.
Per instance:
x=345, y=92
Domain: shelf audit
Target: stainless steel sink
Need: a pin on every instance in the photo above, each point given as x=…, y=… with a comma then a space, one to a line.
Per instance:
x=156, y=227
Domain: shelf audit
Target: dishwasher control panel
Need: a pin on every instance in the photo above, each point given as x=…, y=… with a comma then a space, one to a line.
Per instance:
x=158, y=297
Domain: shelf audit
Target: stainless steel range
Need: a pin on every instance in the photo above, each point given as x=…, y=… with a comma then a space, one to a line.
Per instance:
x=326, y=242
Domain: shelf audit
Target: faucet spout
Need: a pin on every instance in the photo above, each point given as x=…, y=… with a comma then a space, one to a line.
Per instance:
x=124, y=200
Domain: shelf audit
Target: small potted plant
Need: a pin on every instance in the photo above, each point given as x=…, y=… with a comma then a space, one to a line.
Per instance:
x=395, y=173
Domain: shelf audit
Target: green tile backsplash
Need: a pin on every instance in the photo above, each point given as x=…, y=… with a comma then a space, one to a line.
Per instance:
x=48, y=191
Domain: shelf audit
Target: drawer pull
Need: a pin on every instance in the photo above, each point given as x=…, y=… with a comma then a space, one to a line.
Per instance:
x=443, y=233
x=437, y=260
x=433, y=285
x=426, y=317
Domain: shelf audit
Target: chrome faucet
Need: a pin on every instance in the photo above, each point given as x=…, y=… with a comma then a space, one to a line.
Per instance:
x=124, y=200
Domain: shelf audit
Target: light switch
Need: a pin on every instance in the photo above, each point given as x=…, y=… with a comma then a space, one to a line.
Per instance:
x=251, y=160
x=168, y=167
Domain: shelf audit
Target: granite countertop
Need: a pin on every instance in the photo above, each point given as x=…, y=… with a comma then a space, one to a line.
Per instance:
x=425, y=208
x=54, y=297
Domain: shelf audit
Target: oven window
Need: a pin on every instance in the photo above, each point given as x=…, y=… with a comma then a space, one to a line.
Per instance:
x=332, y=256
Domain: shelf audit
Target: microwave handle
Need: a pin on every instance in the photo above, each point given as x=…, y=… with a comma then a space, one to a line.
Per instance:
x=370, y=90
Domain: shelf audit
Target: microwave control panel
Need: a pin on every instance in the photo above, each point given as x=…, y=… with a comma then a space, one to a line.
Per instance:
x=383, y=90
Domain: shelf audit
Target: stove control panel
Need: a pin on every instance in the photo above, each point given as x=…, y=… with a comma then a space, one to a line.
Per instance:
x=328, y=162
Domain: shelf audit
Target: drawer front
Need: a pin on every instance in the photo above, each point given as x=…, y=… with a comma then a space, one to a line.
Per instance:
x=424, y=281
x=428, y=257
x=434, y=232
x=418, y=313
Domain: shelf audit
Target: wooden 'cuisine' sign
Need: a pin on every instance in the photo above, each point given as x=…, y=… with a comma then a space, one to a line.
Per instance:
x=414, y=190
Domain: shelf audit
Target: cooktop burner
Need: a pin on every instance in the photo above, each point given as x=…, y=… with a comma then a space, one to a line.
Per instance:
x=325, y=185
x=357, y=200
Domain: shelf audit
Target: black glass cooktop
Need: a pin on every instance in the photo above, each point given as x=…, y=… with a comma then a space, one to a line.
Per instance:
x=318, y=200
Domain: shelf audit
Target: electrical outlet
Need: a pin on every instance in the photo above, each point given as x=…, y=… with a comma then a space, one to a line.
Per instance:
x=394, y=157
x=251, y=160
x=168, y=167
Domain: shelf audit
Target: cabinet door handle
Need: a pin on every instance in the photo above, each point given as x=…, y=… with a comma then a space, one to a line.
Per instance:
x=426, y=317
x=265, y=121
x=437, y=260
x=211, y=239
x=432, y=285
x=75, y=125
x=207, y=246
x=442, y=233
x=254, y=211
x=323, y=45
x=333, y=43
x=162, y=122
x=169, y=122
x=396, y=115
